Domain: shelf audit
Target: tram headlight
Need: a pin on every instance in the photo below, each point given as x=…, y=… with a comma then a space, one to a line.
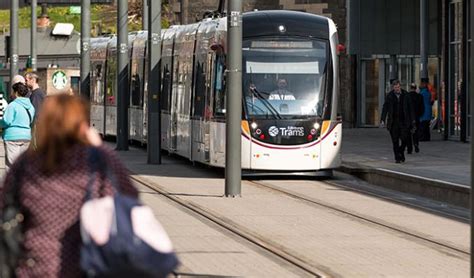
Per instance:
x=253, y=125
x=282, y=28
x=317, y=126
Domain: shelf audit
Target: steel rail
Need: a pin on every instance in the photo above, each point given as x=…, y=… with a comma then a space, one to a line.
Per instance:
x=239, y=230
x=365, y=218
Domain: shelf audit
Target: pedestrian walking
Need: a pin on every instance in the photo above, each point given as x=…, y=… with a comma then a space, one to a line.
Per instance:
x=398, y=116
x=16, y=79
x=52, y=182
x=37, y=94
x=425, y=119
x=416, y=101
x=16, y=124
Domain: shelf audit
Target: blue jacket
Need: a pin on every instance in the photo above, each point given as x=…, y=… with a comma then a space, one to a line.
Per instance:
x=427, y=104
x=16, y=121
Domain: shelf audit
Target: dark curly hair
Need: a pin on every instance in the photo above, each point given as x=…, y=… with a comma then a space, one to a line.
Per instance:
x=20, y=89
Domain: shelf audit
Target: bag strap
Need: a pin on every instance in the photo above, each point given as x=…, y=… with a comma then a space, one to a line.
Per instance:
x=29, y=114
x=93, y=159
x=97, y=165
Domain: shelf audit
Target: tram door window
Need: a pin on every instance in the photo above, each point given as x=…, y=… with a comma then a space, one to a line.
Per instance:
x=185, y=83
x=166, y=86
x=135, y=87
x=200, y=90
x=209, y=110
x=97, y=81
x=166, y=76
x=111, y=79
x=137, y=79
x=219, y=86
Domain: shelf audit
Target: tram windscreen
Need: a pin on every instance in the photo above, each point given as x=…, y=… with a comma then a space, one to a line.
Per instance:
x=284, y=79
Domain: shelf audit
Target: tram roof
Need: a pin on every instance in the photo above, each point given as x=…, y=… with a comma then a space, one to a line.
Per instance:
x=267, y=23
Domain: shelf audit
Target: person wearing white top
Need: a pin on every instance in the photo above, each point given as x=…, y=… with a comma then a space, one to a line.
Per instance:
x=281, y=93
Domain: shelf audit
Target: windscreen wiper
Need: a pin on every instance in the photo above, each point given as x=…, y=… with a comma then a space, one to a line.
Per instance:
x=265, y=102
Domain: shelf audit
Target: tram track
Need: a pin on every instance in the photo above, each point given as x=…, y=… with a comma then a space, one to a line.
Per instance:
x=285, y=254
x=415, y=235
x=464, y=218
x=241, y=231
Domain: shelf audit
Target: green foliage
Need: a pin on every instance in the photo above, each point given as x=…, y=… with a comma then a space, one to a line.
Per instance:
x=104, y=15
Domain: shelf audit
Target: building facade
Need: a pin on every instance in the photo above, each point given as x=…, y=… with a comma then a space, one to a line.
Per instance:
x=456, y=53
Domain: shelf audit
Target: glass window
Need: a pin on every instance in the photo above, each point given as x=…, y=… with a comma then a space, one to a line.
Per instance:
x=219, y=85
x=200, y=88
x=136, y=86
x=97, y=84
x=456, y=69
x=111, y=80
x=285, y=79
x=75, y=81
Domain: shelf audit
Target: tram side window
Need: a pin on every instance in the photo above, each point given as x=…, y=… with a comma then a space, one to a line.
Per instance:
x=165, y=91
x=136, y=90
x=199, y=102
x=219, y=86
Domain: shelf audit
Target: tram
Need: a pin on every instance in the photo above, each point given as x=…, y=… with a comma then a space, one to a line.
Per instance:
x=290, y=92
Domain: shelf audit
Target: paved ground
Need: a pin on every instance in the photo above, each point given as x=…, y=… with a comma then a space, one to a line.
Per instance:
x=438, y=159
x=339, y=245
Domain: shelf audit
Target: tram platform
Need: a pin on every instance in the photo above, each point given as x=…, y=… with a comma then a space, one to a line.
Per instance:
x=441, y=170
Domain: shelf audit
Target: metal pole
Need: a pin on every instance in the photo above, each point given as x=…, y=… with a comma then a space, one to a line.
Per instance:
x=233, y=160
x=34, y=5
x=154, y=83
x=122, y=76
x=184, y=11
x=424, y=40
x=471, y=97
x=145, y=13
x=13, y=39
x=85, y=47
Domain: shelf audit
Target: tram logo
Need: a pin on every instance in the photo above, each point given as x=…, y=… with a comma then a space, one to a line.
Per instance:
x=273, y=131
x=292, y=131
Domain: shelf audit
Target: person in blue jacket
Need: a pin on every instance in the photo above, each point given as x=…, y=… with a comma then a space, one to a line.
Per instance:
x=16, y=124
x=425, y=119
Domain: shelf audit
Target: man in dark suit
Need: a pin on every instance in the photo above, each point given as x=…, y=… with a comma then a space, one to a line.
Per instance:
x=399, y=118
x=416, y=100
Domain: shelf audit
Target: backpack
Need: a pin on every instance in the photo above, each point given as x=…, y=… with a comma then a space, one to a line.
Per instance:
x=120, y=236
x=11, y=229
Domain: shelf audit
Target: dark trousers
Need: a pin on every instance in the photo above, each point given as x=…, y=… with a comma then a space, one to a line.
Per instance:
x=399, y=141
x=414, y=138
x=425, y=131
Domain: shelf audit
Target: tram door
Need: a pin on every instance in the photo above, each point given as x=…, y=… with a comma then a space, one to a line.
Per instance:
x=208, y=108
x=201, y=115
x=173, y=135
